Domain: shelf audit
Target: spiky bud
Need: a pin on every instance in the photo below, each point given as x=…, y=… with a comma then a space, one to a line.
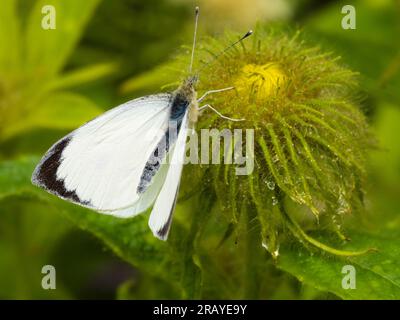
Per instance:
x=310, y=135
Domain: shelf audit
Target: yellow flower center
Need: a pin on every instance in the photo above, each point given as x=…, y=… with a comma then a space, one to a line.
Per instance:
x=260, y=81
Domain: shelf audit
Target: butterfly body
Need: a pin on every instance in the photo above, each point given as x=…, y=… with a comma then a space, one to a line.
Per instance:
x=185, y=97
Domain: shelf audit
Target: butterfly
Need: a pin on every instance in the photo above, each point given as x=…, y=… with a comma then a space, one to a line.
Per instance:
x=115, y=164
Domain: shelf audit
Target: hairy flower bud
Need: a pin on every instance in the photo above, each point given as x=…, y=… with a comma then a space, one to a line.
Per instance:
x=310, y=135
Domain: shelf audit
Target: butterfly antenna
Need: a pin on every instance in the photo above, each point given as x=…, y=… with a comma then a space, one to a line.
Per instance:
x=248, y=34
x=197, y=10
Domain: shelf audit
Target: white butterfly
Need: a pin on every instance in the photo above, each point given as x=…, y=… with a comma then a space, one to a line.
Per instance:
x=114, y=166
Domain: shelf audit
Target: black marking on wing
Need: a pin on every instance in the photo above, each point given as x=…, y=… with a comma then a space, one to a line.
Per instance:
x=153, y=164
x=163, y=232
x=178, y=109
x=45, y=175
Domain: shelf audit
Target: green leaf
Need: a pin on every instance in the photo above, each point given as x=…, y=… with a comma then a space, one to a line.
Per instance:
x=61, y=110
x=9, y=37
x=153, y=79
x=15, y=177
x=386, y=162
x=128, y=238
x=377, y=273
x=64, y=111
x=83, y=75
x=27, y=94
x=29, y=231
x=371, y=48
x=47, y=50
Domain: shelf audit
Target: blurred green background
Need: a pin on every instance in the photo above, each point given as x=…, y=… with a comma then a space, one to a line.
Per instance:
x=105, y=52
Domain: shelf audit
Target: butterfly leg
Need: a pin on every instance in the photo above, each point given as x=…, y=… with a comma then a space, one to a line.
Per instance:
x=213, y=91
x=218, y=113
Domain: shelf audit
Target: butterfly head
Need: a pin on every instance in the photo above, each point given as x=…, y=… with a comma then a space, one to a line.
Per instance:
x=192, y=80
x=187, y=88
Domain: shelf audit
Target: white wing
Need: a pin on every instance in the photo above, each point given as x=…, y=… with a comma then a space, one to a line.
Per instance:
x=161, y=215
x=146, y=199
x=100, y=164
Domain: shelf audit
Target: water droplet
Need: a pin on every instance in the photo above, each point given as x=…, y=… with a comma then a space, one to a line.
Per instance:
x=275, y=253
x=271, y=185
x=274, y=201
x=264, y=245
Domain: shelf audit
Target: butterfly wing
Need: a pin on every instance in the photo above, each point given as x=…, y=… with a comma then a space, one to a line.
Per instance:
x=100, y=165
x=161, y=215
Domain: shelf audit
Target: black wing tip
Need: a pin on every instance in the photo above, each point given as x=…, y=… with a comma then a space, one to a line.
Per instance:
x=163, y=232
x=45, y=174
x=161, y=236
